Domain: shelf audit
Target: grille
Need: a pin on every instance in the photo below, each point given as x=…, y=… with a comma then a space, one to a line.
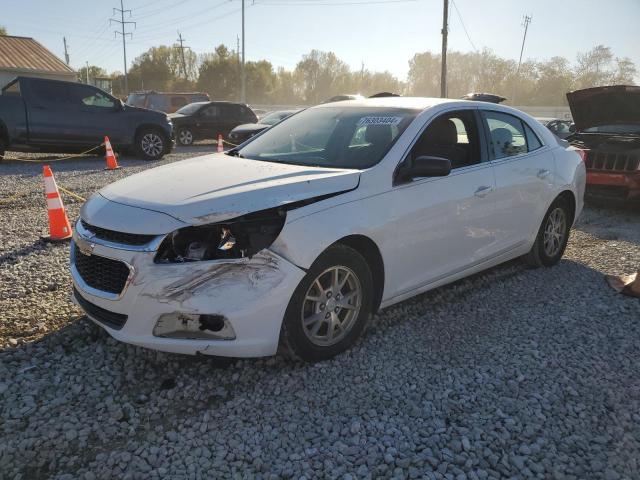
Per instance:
x=118, y=237
x=614, y=162
x=110, y=319
x=101, y=273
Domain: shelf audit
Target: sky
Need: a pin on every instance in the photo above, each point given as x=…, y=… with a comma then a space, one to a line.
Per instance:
x=381, y=34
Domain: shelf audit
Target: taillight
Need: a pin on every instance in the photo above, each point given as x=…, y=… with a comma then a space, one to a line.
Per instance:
x=582, y=153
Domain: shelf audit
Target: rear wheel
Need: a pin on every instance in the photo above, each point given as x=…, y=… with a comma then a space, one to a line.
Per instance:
x=185, y=137
x=552, y=237
x=151, y=144
x=3, y=148
x=331, y=306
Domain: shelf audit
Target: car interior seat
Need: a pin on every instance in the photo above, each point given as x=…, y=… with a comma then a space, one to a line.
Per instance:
x=440, y=139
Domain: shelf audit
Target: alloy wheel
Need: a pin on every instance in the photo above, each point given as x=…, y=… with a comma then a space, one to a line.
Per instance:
x=554, y=232
x=185, y=137
x=331, y=306
x=152, y=144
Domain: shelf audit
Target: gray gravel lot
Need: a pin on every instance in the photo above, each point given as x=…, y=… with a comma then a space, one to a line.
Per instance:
x=514, y=373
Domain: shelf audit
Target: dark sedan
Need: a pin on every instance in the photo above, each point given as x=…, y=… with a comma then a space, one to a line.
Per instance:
x=242, y=133
x=202, y=120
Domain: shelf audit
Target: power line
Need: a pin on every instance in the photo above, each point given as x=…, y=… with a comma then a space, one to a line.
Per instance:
x=325, y=3
x=463, y=25
x=124, y=37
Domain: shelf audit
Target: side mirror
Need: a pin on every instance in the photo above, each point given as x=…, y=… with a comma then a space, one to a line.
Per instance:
x=424, y=166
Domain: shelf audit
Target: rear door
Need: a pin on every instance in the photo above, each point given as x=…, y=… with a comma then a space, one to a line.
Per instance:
x=524, y=170
x=208, y=122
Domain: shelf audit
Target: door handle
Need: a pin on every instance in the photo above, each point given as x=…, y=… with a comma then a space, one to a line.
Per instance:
x=543, y=173
x=483, y=190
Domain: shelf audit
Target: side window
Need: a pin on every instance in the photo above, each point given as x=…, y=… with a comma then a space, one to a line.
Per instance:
x=507, y=134
x=211, y=111
x=13, y=90
x=178, y=102
x=533, y=142
x=50, y=93
x=454, y=136
x=97, y=99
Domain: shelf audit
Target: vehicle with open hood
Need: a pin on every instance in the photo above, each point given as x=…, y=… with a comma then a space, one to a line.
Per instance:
x=293, y=240
x=607, y=122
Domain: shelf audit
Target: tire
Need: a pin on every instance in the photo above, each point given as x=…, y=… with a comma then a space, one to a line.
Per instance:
x=3, y=148
x=151, y=144
x=329, y=307
x=555, y=225
x=185, y=137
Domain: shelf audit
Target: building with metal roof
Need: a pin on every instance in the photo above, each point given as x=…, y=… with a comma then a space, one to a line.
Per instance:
x=26, y=57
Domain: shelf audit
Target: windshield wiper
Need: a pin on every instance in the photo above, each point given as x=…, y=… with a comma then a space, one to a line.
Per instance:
x=234, y=152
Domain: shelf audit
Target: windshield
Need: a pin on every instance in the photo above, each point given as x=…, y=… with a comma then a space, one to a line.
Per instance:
x=190, y=109
x=338, y=137
x=621, y=129
x=136, y=99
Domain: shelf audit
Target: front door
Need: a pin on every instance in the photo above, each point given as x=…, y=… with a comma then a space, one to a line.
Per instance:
x=446, y=224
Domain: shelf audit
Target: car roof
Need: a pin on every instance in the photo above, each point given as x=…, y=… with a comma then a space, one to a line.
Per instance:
x=416, y=103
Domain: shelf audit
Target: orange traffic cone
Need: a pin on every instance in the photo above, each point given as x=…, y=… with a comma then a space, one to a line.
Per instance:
x=112, y=163
x=220, y=144
x=59, y=227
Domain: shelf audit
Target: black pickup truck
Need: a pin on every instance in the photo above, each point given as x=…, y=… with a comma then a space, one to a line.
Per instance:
x=38, y=115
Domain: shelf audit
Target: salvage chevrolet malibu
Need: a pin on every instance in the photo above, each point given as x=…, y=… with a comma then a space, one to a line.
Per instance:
x=296, y=238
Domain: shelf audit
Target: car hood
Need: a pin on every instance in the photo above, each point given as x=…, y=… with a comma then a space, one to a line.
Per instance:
x=612, y=105
x=250, y=127
x=218, y=187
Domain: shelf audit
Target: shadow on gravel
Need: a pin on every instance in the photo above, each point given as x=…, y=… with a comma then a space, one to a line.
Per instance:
x=81, y=391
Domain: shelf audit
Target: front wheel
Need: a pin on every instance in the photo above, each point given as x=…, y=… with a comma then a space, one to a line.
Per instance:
x=151, y=144
x=185, y=137
x=331, y=306
x=552, y=237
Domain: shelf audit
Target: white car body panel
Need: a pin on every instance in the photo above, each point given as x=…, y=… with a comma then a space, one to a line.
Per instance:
x=429, y=232
x=218, y=187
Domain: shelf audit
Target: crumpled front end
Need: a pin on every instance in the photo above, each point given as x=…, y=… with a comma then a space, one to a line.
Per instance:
x=227, y=307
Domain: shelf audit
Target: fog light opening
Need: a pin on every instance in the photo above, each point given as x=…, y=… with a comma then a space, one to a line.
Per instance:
x=194, y=327
x=213, y=323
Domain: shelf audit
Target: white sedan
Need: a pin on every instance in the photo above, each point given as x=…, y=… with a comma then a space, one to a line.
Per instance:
x=297, y=237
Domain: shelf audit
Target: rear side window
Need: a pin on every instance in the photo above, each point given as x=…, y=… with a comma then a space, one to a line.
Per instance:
x=533, y=142
x=12, y=90
x=507, y=135
x=211, y=111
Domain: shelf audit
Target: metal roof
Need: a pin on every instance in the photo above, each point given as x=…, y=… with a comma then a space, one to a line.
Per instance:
x=25, y=54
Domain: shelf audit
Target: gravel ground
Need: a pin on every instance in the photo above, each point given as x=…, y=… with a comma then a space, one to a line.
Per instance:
x=513, y=373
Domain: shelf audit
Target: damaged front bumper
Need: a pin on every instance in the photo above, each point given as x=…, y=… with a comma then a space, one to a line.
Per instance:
x=237, y=304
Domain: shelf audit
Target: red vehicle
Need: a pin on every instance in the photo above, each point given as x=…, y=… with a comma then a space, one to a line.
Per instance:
x=607, y=121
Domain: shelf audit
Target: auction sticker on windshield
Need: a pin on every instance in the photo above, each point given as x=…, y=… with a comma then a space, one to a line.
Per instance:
x=379, y=121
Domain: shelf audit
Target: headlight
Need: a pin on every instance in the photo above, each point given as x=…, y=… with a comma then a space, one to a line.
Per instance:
x=237, y=238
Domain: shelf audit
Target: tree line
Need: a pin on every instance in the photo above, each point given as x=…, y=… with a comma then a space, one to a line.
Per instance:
x=320, y=75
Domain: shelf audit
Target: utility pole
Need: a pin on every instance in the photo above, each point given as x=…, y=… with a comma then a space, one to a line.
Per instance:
x=525, y=23
x=66, y=52
x=86, y=73
x=238, y=62
x=124, y=36
x=184, y=64
x=445, y=31
x=243, y=88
